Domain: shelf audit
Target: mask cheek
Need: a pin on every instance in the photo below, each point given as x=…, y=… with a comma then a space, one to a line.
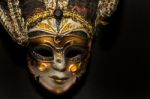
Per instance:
x=37, y=68
x=73, y=68
x=77, y=69
x=43, y=66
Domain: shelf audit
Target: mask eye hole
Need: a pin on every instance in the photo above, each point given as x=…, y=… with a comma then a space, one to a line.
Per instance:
x=74, y=51
x=43, y=51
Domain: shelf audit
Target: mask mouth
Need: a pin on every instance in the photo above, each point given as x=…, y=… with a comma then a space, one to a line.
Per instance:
x=59, y=80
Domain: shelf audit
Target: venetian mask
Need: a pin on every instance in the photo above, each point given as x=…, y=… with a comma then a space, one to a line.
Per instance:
x=58, y=35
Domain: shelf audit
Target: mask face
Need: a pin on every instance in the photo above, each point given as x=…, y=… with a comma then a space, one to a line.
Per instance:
x=58, y=65
x=58, y=59
x=58, y=34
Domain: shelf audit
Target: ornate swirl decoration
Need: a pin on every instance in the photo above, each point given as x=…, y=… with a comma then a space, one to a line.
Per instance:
x=67, y=14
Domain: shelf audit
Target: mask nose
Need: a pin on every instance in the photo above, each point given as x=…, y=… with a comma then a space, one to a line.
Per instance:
x=59, y=63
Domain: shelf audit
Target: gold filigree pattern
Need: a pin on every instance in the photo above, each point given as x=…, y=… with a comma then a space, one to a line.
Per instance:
x=67, y=25
x=38, y=17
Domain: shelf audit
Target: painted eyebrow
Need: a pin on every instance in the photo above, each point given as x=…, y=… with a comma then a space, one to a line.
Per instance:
x=37, y=33
x=43, y=33
x=79, y=33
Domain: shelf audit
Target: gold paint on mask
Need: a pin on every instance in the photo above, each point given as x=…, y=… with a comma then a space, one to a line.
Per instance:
x=75, y=40
x=43, y=66
x=58, y=90
x=46, y=27
x=73, y=68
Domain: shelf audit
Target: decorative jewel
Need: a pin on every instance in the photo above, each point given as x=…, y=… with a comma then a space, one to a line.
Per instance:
x=58, y=14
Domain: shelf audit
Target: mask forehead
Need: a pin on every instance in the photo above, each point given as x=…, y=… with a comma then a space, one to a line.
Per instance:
x=65, y=27
x=65, y=41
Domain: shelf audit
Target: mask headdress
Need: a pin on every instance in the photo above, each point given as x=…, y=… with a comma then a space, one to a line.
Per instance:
x=13, y=21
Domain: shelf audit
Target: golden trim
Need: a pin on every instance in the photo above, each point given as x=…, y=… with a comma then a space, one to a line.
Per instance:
x=39, y=16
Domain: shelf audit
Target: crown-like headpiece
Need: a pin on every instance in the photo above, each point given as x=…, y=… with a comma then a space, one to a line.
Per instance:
x=53, y=16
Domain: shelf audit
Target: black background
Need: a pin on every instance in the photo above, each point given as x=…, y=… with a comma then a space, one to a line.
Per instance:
x=119, y=67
